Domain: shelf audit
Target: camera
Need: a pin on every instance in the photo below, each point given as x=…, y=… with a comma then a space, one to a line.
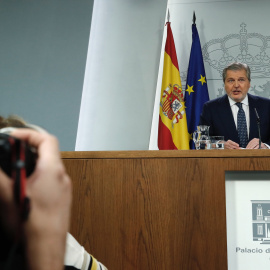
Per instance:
x=16, y=154
x=18, y=161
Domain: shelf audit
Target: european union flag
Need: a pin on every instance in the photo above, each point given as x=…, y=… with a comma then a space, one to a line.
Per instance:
x=196, y=93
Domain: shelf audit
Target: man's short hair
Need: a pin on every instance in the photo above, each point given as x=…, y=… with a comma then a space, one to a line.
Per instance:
x=236, y=66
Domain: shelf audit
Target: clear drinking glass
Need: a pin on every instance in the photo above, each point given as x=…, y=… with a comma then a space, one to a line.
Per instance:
x=201, y=138
x=217, y=142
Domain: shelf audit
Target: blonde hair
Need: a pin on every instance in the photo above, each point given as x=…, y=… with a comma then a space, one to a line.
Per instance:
x=14, y=121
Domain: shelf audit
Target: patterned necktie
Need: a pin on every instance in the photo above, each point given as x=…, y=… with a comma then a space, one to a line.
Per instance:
x=242, y=126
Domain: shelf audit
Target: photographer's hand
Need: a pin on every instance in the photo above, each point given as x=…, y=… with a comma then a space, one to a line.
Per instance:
x=49, y=190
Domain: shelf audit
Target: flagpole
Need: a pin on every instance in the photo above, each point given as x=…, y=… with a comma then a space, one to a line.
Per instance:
x=194, y=18
x=155, y=119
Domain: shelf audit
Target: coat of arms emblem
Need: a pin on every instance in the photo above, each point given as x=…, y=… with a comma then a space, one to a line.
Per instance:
x=171, y=103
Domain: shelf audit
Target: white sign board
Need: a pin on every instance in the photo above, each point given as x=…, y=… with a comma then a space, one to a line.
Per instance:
x=248, y=220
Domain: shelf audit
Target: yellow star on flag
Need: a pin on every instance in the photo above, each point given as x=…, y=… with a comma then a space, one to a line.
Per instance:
x=184, y=104
x=202, y=80
x=190, y=136
x=189, y=89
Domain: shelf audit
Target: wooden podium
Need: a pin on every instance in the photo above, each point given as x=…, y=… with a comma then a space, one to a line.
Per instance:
x=155, y=209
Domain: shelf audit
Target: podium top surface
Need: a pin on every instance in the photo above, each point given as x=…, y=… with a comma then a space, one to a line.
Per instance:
x=166, y=154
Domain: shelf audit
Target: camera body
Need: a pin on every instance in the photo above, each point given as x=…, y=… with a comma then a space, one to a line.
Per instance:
x=16, y=154
x=18, y=161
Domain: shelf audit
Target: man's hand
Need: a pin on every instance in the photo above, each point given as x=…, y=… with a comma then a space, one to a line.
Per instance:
x=254, y=144
x=231, y=145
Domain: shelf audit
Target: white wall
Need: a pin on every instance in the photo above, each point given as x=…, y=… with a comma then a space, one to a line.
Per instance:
x=121, y=73
x=217, y=20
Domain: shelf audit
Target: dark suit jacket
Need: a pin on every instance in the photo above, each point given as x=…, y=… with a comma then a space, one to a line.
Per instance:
x=218, y=115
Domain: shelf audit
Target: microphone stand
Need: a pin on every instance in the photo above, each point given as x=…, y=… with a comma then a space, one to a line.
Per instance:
x=259, y=129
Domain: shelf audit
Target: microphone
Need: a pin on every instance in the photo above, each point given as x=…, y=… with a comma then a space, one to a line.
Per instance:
x=259, y=130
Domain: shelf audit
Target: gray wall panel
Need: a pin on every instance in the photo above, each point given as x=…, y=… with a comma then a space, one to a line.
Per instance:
x=43, y=50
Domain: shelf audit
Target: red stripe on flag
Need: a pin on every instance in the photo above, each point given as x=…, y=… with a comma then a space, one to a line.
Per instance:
x=165, y=140
x=169, y=47
x=166, y=105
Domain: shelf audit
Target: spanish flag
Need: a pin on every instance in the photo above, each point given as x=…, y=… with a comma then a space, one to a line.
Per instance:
x=172, y=130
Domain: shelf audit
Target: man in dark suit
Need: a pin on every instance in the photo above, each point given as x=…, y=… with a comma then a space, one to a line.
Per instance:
x=223, y=114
